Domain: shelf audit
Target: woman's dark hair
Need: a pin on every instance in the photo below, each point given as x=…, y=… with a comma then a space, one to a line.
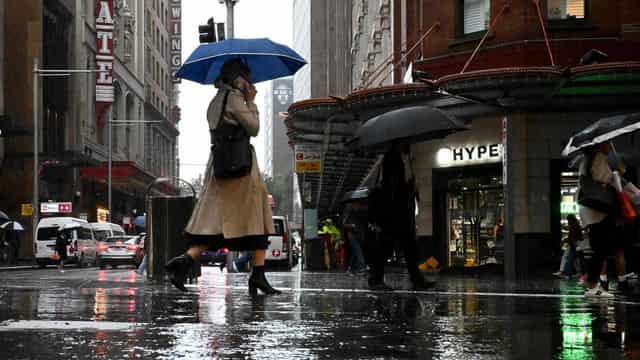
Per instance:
x=571, y=219
x=232, y=69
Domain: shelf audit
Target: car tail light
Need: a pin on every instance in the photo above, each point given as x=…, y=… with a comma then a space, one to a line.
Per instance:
x=285, y=241
x=225, y=250
x=102, y=247
x=132, y=247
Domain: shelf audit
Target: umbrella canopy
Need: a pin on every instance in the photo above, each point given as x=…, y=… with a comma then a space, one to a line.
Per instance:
x=3, y=217
x=140, y=221
x=602, y=131
x=408, y=125
x=266, y=59
x=12, y=226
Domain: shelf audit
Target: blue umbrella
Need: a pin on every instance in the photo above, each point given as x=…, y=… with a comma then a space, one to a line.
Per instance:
x=140, y=221
x=266, y=59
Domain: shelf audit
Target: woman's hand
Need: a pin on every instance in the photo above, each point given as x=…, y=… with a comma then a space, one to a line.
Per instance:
x=250, y=93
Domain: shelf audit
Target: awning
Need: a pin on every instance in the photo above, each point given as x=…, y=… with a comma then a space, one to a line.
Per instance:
x=125, y=175
x=331, y=122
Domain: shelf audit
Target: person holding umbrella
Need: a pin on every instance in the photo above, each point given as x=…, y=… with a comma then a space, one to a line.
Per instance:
x=597, y=198
x=232, y=213
x=233, y=209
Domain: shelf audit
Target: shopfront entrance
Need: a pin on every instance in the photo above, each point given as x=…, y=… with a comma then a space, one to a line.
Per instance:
x=473, y=215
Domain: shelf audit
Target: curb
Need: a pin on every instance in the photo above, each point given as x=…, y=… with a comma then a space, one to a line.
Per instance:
x=16, y=268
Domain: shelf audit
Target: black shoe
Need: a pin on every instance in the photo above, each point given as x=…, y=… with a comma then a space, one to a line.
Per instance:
x=378, y=285
x=177, y=269
x=259, y=281
x=423, y=285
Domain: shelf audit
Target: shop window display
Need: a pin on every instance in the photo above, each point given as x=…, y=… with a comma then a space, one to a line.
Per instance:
x=475, y=220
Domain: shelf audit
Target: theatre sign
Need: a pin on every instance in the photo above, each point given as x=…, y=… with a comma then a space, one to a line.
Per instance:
x=104, y=58
x=176, y=38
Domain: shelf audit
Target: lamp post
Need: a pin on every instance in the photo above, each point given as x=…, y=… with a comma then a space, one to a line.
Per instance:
x=230, y=4
x=37, y=73
x=110, y=124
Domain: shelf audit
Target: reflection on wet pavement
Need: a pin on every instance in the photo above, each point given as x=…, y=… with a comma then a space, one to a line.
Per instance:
x=112, y=314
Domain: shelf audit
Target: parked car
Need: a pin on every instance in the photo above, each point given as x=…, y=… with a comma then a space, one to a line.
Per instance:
x=118, y=250
x=103, y=230
x=280, y=250
x=82, y=247
x=214, y=258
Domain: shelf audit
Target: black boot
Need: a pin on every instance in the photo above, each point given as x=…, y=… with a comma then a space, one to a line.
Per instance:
x=177, y=269
x=259, y=281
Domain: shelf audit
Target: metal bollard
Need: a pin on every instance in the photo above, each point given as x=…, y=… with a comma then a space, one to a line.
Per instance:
x=167, y=217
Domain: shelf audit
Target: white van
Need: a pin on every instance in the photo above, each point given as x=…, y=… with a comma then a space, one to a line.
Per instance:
x=104, y=230
x=280, y=243
x=81, y=250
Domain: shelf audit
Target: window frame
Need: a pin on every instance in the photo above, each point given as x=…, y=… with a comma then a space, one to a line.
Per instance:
x=570, y=24
x=460, y=22
x=568, y=21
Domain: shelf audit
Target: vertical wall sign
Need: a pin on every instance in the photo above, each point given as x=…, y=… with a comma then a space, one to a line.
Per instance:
x=104, y=58
x=176, y=38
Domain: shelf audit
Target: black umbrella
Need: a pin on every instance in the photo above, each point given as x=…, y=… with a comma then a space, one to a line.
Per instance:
x=407, y=125
x=3, y=217
x=602, y=131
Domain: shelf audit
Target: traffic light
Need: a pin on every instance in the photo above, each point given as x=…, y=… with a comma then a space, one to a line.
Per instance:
x=207, y=32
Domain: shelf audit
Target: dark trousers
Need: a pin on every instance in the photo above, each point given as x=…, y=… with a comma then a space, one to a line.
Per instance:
x=600, y=237
x=383, y=249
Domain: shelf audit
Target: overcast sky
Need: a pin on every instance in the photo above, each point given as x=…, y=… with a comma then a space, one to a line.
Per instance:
x=253, y=19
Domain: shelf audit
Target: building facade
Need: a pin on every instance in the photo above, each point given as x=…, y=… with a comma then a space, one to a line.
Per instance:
x=278, y=152
x=77, y=111
x=322, y=36
x=160, y=93
x=466, y=201
x=371, y=46
x=498, y=192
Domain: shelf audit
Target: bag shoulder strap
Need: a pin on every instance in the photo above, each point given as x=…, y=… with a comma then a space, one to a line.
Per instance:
x=224, y=106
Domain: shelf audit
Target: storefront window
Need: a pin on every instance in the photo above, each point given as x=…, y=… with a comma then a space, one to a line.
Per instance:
x=475, y=220
x=566, y=9
x=568, y=199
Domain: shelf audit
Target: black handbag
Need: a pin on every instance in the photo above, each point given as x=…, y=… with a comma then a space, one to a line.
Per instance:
x=232, y=150
x=596, y=195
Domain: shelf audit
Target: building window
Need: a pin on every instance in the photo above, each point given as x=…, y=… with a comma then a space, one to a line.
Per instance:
x=476, y=15
x=566, y=9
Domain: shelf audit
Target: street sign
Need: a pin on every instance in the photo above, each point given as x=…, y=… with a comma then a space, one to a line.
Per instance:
x=308, y=158
x=26, y=209
x=53, y=207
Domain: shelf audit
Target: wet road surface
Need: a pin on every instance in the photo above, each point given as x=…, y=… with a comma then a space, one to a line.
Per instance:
x=113, y=314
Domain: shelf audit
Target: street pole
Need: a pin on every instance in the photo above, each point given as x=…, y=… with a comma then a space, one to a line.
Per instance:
x=230, y=4
x=36, y=200
x=109, y=163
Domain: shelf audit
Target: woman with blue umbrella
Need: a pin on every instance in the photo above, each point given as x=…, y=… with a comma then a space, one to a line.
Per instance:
x=233, y=210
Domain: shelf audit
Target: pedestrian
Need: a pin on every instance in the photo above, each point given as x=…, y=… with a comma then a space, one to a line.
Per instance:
x=395, y=209
x=601, y=223
x=240, y=264
x=234, y=212
x=142, y=269
x=355, y=228
x=62, y=241
x=572, y=239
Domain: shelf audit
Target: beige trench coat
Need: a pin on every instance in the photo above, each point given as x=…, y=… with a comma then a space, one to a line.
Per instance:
x=233, y=207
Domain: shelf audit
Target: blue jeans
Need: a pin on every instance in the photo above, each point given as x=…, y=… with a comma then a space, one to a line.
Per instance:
x=143, y=265
x=242, y=261
x=357, y=257
x=568, y=256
